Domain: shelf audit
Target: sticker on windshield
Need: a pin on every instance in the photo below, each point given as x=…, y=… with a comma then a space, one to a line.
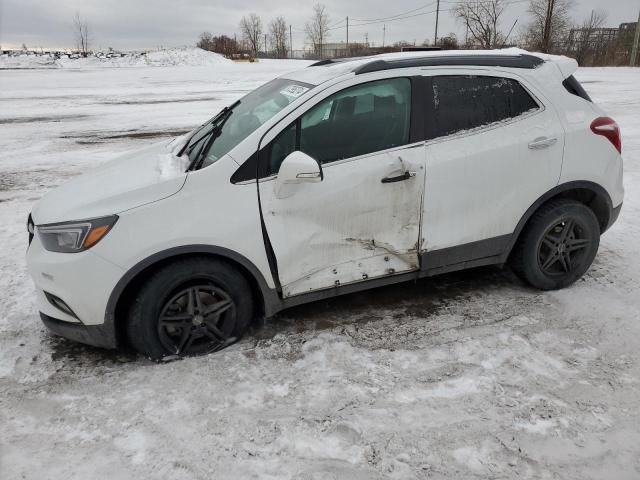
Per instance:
x=294, y=91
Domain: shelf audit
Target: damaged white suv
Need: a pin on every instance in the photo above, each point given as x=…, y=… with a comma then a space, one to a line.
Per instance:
x=344, y=176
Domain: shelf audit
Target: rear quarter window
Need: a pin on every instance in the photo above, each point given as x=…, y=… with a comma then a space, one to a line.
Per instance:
x=468, y=102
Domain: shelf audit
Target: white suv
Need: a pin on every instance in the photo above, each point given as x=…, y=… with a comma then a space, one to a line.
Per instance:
x=344, y=176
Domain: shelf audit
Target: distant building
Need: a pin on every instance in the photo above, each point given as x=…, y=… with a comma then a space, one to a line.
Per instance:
x=600, y=46
x=335, y=50
x=596, y=37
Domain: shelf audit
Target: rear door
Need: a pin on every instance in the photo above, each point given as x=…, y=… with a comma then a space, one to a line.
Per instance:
x=496, y=145
x=362, y=220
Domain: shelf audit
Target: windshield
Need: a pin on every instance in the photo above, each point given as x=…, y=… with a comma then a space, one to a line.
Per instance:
x=242, y=119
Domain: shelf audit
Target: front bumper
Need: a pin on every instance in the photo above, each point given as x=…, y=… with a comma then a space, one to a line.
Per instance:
x=103, y=336
x=83, y=281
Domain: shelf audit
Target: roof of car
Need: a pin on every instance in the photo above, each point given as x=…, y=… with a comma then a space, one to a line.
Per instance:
x=325, y=70
x=485, y=60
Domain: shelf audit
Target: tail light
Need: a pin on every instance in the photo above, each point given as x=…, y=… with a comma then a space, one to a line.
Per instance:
x=607, y=127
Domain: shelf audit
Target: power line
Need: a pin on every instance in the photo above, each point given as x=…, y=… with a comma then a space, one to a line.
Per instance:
x=428, y=13
x=408, y=14
x=397, y=19
x=393, y=16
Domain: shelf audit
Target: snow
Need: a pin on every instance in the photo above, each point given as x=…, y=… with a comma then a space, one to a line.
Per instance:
x=468, y=375
x=170, y=164
x=195, y=57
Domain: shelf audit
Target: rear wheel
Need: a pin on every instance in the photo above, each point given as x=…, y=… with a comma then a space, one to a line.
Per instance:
x=558, y=245
x=190, y=307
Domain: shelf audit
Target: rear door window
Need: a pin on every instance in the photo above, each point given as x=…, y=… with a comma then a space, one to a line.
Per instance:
x=463, y=103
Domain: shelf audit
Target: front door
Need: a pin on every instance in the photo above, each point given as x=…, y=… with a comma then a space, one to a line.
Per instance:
x=362, y=221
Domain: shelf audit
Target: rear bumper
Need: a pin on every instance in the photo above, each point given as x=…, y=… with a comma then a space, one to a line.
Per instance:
x=615, y=213
x=103, y=336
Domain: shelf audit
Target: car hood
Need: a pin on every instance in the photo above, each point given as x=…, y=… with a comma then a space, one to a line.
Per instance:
x=129, y=181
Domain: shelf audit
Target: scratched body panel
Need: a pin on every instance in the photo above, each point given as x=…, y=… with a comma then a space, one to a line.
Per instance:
x=349, y=227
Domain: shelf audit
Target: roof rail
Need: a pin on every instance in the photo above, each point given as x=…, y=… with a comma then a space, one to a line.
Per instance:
x=333, y=61
x=322, y=63
x=508, y=61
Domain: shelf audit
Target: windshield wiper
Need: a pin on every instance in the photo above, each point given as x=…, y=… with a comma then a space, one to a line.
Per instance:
x=221, y=119
x=222, y=112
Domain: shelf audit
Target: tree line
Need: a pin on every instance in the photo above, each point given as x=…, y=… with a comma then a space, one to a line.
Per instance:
x=548, y=27
x=274, y=39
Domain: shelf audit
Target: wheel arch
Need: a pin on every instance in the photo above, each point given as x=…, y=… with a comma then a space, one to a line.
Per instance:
x=267, y=300
x=590, y=194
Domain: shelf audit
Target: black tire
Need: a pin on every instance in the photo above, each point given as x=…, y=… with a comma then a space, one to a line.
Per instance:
x=205, y=303
x=558, y=245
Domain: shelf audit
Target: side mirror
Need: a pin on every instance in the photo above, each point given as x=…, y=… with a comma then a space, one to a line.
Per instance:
x=297, y=168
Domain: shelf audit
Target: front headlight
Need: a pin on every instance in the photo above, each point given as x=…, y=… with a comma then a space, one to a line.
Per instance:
x=30, y=228
x=71, y=237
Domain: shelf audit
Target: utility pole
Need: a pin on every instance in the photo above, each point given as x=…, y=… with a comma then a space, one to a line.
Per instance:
x=265, y=44
x=546, y=34
x=384, y=33
x=636, y=40
x=435, y=37
x=509, y=34
x=290, y=42
x=347, y=35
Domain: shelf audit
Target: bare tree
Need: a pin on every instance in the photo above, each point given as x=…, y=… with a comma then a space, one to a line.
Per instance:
x=251, y=28
x=549, y=24
x=583, y=40
x=481, y=18
x=221, y=44
x=81, y=28
x=205, y=41
x=317, y=28
x=450, y=42
x=278, y=34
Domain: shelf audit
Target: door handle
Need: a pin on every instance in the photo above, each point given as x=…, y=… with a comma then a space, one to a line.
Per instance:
x=399, y=178
x=542, y=142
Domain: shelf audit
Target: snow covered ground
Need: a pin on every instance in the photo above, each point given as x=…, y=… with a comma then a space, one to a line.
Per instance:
x=159, y=58
x=470, y=375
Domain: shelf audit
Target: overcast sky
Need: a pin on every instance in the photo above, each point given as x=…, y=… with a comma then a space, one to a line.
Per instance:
x=143, y=24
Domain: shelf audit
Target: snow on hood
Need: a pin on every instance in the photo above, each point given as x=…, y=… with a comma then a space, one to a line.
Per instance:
x=134, y=179
x=171, y=165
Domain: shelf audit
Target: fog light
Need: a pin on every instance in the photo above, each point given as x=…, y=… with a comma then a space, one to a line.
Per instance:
x=60, y=304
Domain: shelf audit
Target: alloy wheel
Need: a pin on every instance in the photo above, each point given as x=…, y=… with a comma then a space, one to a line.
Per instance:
x=197, y=320
x=562, y=247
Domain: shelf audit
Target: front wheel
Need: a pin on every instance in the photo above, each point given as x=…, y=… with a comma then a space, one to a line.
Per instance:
x=558, y=245
x=190, y=307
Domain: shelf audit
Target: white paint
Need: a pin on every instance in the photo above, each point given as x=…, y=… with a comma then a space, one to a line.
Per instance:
x=297, y=168
x=481, y=182
x=349, y=227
